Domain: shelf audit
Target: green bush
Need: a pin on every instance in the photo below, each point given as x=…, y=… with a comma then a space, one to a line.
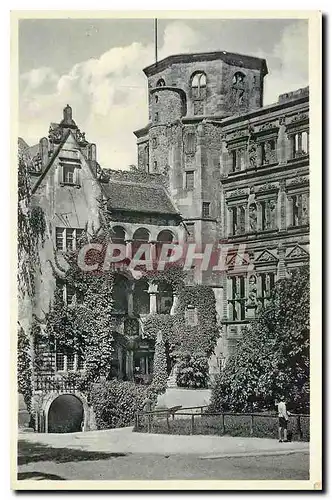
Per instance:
x=115, y=402
x=193, y=370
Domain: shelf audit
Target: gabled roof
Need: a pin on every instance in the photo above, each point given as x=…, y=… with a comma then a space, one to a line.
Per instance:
x=137, y=197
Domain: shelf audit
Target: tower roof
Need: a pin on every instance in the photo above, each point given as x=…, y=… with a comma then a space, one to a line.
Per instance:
x=240, y=60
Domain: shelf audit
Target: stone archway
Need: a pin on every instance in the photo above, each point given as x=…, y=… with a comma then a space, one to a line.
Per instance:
x=66, y=412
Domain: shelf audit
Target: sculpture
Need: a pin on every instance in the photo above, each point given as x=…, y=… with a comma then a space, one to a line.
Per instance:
x=253, y=217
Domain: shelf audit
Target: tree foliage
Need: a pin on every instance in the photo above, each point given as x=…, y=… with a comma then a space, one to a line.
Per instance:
x=272, y=360
x=193, y=370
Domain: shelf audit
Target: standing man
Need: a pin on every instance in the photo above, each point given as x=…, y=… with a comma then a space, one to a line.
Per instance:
x=283, y=419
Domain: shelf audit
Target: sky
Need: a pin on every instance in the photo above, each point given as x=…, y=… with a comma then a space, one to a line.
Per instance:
x=96, y=66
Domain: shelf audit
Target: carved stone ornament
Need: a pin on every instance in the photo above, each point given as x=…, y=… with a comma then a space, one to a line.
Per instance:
x=267, y=126
x=55, y=134
x=299, y=117
x=267, y=187
x=252, y=294
x=237, y=134
x=266, y=256
x=252, y=154
x=298, y=253
x=237, y=193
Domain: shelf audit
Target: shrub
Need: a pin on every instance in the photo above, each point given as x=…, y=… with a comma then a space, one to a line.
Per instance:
x=193, y=371
x=115, y=402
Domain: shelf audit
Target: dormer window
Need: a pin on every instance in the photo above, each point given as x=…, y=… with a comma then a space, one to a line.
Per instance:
x=68, y=174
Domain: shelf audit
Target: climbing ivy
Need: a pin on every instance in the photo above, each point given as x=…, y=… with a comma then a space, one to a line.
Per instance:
x=202, y=336
x=24, y=366
x=31, y=228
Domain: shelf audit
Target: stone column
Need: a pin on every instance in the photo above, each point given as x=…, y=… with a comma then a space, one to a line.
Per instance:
x=130, y=364
x=153, y=252
x=130, y=299
x=175, y=303
x=129, y=249
x=153, y=290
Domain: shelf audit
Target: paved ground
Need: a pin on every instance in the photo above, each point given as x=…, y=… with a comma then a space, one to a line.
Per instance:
x=157, y=456
x=126, y=441
x=293, y=466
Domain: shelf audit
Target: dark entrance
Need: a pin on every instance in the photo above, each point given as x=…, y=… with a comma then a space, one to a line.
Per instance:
x=65, y=414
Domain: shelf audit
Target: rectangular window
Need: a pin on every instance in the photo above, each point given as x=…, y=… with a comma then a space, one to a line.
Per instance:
x=59, y=238
x=68, y=174
x=60, y=361
x=80, y=362
x=67, y=238
x=234, y=161
x=300, y=142
x=70, y=362
x=70, y=294
x=237, y=301
x=263, y=208
x=70, y=239
x=295, y=210
x=190, y=180
x=205, y=209
x=234, y=225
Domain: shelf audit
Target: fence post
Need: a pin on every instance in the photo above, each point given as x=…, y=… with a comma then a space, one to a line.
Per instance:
x=167, y=420
x=149, y=422
x=201, y=410
x=223, y=423
x=251, y=425
x=136, y=420
x=193, y=423
x=299, y=429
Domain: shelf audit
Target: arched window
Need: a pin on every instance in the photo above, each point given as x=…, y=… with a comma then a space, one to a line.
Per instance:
x=161, y=83
x=120, y=294
x=238, y=78
x=141, y=297
x=118, y=234
x=164, y=236
x=141, y=237
x=198, y=85
x=141, y=234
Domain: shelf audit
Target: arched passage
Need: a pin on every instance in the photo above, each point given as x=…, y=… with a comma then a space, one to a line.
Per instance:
x=65, y=414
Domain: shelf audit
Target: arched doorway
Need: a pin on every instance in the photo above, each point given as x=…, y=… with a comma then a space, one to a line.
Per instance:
x=65, y=414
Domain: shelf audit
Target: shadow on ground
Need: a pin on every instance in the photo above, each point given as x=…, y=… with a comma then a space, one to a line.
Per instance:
x=39, y=476
x=28, y=452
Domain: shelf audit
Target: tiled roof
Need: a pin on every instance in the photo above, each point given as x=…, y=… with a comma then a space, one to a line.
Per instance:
x=135, y=197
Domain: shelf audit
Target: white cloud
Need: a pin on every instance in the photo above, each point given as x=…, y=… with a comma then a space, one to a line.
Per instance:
x=109, y=94
x=289, y=62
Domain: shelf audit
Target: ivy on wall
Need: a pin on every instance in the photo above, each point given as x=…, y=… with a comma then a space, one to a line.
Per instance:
x=24, y=366
x=31, y=228
x=201, y=337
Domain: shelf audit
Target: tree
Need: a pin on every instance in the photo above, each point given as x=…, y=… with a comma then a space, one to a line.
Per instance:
x=160, y=376
x=273, y=358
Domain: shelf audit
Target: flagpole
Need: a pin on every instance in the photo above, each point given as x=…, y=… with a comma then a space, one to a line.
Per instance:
x=156, y=39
